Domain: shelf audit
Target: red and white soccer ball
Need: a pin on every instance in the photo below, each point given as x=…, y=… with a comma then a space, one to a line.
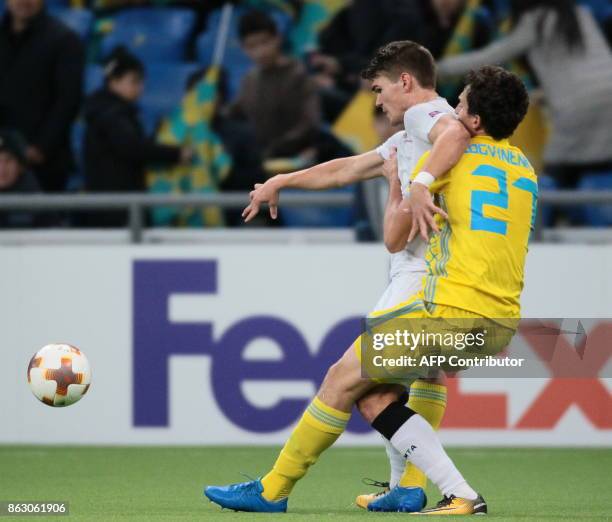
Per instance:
x=59, y=374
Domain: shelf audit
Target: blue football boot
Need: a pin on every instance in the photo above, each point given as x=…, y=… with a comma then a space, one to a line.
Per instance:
x=407, y=500
x=245, y=496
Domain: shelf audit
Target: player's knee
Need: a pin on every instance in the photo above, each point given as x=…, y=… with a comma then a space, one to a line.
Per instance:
x=334, y=383
x=334, y=372
x=345, y=372
x=343, y=382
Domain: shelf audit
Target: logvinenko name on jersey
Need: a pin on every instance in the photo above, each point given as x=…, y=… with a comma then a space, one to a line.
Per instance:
x=503, y=154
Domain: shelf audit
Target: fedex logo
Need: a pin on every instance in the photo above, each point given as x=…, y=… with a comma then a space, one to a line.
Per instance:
x=156, y=339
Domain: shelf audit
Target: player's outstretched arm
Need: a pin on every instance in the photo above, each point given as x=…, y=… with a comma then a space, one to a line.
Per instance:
x=331, y=174
x=450, y=139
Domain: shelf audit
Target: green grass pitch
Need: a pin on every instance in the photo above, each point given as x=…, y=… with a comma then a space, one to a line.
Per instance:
x=153, y=483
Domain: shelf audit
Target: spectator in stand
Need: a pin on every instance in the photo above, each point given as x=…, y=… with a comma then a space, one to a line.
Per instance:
x=572, y=61
x=40, y=86
x=359, y=29
x=116, y=149
x=15, y=178
x=451, y=27
x=276, y=97
x=239, y=142
x=350, y=39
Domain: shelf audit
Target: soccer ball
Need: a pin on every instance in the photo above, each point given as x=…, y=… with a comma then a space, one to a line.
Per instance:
x=59, y=374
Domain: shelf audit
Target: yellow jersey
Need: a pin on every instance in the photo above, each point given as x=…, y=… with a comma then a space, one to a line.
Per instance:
x=476, y=262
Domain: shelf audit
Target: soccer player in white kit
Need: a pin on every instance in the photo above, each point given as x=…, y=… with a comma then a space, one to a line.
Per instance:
x=429, y=124
x=406, y=270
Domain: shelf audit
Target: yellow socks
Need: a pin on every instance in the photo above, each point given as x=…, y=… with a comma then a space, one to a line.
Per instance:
x=429, y=401
x=321, y=425
x=317, y=430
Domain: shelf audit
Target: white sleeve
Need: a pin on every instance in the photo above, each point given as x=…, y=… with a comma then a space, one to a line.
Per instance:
x=420, y=119
x=384, y=150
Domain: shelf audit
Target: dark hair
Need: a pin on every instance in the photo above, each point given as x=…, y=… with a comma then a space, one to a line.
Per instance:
x=121, y=62
x=256, y=22
x=404, y=56
x=567, y=25
x=499, y=97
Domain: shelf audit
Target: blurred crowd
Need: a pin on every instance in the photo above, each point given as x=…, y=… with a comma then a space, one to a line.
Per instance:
x=207, y=96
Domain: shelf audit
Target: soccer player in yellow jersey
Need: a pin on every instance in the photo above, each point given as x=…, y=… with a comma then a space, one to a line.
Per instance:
x=474, y=276
x=476, y=263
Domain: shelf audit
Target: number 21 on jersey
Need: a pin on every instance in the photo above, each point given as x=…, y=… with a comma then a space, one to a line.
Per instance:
x=498, y=199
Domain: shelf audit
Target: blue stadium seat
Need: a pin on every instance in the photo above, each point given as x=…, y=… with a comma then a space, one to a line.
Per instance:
x=545, y=212
x=599, y=8
x=57, y=3
x=164, y=88
x=155, y=34
x=150, y=118
x=318, y=217
x=235, y=62
x=94, y=78
x=606, y=17
x=79, y=20
x=76, y=181
x=597, y=215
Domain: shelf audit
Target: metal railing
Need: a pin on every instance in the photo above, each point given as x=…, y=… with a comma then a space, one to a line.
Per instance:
x=136, y=203
x=568, y=198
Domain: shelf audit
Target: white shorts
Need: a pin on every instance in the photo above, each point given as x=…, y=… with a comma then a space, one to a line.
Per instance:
x=405, y=279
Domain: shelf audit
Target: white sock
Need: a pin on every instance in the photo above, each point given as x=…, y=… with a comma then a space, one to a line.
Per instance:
x=397, y=463
x=419, y=443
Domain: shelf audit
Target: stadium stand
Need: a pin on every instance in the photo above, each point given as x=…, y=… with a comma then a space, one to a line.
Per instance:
x=597, y=215
x=165, y=85
x=57, y=3
x=169, y=37
x=94, y=76
x=546, y=212
x=600, y=8
x=93, y=79
x=235, y=62
x=153, y=34
x=310, y=217
x=79, y=20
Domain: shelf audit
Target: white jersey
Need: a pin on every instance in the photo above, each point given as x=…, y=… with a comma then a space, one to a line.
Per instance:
x=411, y=144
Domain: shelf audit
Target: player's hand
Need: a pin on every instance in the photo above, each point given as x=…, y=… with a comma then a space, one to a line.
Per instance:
x=267, y=192
x=389, y=168
x=420, y=204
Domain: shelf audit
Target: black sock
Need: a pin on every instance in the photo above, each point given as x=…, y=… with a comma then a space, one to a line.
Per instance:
x=392, y=418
